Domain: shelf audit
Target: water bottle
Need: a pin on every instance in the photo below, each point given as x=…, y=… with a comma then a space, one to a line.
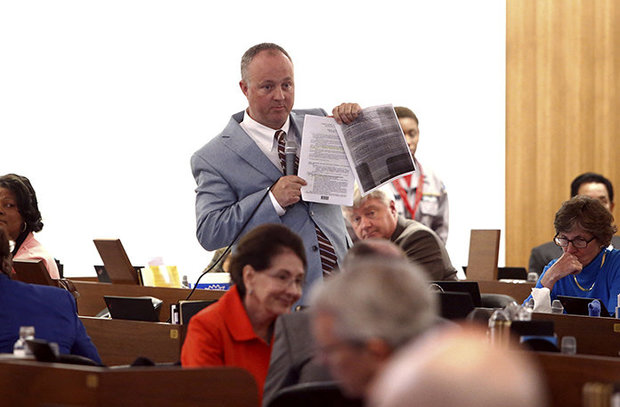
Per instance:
x=21, y=349
x=499, y=327
x=556, y=307
x=568, y=345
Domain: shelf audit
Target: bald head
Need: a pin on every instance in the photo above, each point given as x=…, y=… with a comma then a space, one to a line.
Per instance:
x=373, y=247
x=458, y=367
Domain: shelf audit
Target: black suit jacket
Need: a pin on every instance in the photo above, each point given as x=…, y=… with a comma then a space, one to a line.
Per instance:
x=292, y=356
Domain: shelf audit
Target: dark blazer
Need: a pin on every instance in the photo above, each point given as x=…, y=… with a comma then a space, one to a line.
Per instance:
x=424, y=248
x=233, y=174
x=52, y=312
x=292, y=356
x=543, y=254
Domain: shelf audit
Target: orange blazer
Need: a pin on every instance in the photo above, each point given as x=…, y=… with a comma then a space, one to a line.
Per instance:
x=222, y=335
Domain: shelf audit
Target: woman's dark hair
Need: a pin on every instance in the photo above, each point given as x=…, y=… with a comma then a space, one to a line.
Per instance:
x=259, y=246
x=590, y=215
x=5, y=253
x=27, y=204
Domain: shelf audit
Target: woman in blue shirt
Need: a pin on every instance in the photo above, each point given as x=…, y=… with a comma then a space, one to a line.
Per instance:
x=588, y=267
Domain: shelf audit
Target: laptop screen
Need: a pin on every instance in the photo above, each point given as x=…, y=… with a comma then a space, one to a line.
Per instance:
x=470, y=287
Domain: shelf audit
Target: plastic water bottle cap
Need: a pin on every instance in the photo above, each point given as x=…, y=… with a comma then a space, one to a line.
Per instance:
x=568, y=345
x=556, y=307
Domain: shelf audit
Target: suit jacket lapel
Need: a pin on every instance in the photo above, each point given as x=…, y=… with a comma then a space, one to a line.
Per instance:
x=236, y=139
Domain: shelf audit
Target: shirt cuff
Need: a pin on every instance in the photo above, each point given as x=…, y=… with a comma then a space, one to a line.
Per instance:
x=279, y=210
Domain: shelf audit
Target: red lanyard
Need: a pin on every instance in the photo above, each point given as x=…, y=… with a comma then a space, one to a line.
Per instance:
x=418, y=192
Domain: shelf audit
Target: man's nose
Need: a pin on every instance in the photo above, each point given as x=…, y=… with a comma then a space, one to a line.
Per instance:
x=365, y=222
x=279, y=93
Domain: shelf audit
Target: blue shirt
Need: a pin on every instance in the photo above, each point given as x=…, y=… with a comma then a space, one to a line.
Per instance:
x=605, y=276
x=52, y=312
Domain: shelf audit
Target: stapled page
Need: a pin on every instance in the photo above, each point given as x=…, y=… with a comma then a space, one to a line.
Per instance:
x=324, y=164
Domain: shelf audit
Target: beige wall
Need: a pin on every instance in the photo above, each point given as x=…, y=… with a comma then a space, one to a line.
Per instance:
x=562, y=109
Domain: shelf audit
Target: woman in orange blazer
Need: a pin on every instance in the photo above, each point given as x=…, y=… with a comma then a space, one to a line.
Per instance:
x=267, y=270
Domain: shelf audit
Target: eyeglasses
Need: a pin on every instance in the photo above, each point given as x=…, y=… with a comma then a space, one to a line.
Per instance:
x=578, y=242
x=286, y=280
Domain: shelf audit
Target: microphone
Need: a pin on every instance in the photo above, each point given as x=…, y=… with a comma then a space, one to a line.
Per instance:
x=290, y=152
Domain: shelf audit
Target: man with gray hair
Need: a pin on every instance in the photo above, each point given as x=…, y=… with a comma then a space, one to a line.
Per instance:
x=375, y=216
x=360, y=318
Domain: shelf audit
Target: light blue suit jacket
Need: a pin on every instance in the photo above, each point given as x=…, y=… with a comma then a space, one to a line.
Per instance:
x=233, y=175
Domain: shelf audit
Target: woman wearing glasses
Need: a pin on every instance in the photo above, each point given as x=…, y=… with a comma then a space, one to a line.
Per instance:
x=267, y=270
x=588, y=267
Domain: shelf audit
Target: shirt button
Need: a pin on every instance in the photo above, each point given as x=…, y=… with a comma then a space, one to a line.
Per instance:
x=315, y=248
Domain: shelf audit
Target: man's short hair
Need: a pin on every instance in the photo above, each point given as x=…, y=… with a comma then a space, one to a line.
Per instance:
x=377, y=299
x=381, y=194
x=403, y=112
x=589, y=177
x=249, y=55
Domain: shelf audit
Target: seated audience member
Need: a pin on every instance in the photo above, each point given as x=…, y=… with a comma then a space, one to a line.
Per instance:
x=267, y=270
x=422, y=195
x=375, y=216
x=50, y=310
x=589, y=184
x=458, y=367
x=20, y=216
x=293, y=357
x=360, y=318
x=588, y=267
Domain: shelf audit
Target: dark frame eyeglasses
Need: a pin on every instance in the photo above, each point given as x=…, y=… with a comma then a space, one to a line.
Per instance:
x=578, y=242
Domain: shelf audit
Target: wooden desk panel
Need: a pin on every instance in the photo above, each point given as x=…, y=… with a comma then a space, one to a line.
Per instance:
x=120, y=342
x=90, y=301
x=518, y=291
x=566, y=375
x=595, y=335
x=25, y=383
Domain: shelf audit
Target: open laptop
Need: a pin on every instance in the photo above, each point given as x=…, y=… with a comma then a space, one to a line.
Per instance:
x=116, y=262
x=32, y=272
x=133, y=308
x=455, y=305
x=469, y=287
x=579, y=305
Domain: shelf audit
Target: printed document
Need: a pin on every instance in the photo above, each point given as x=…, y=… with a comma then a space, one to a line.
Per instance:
x=372, y=151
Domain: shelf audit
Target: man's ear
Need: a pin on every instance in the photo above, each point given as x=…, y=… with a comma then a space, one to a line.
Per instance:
x=244, y=87
x=392, y=207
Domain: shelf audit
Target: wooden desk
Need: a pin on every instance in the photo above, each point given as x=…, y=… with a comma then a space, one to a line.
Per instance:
x=120, y=342
x=595, y=335
x=90, y=301
x=518, y=291
x=27, y=383
x=566, y=375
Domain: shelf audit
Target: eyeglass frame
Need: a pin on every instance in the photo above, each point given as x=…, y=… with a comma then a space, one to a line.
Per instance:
x=568, y=241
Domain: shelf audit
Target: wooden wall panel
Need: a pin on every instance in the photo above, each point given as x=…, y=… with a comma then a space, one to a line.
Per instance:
x=562, y=109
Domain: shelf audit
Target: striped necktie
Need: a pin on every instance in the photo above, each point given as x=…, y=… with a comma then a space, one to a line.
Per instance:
x=281, y=139
x=326, y=250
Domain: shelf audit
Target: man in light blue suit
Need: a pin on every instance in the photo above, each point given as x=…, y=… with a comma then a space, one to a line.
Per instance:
x=239, y=174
